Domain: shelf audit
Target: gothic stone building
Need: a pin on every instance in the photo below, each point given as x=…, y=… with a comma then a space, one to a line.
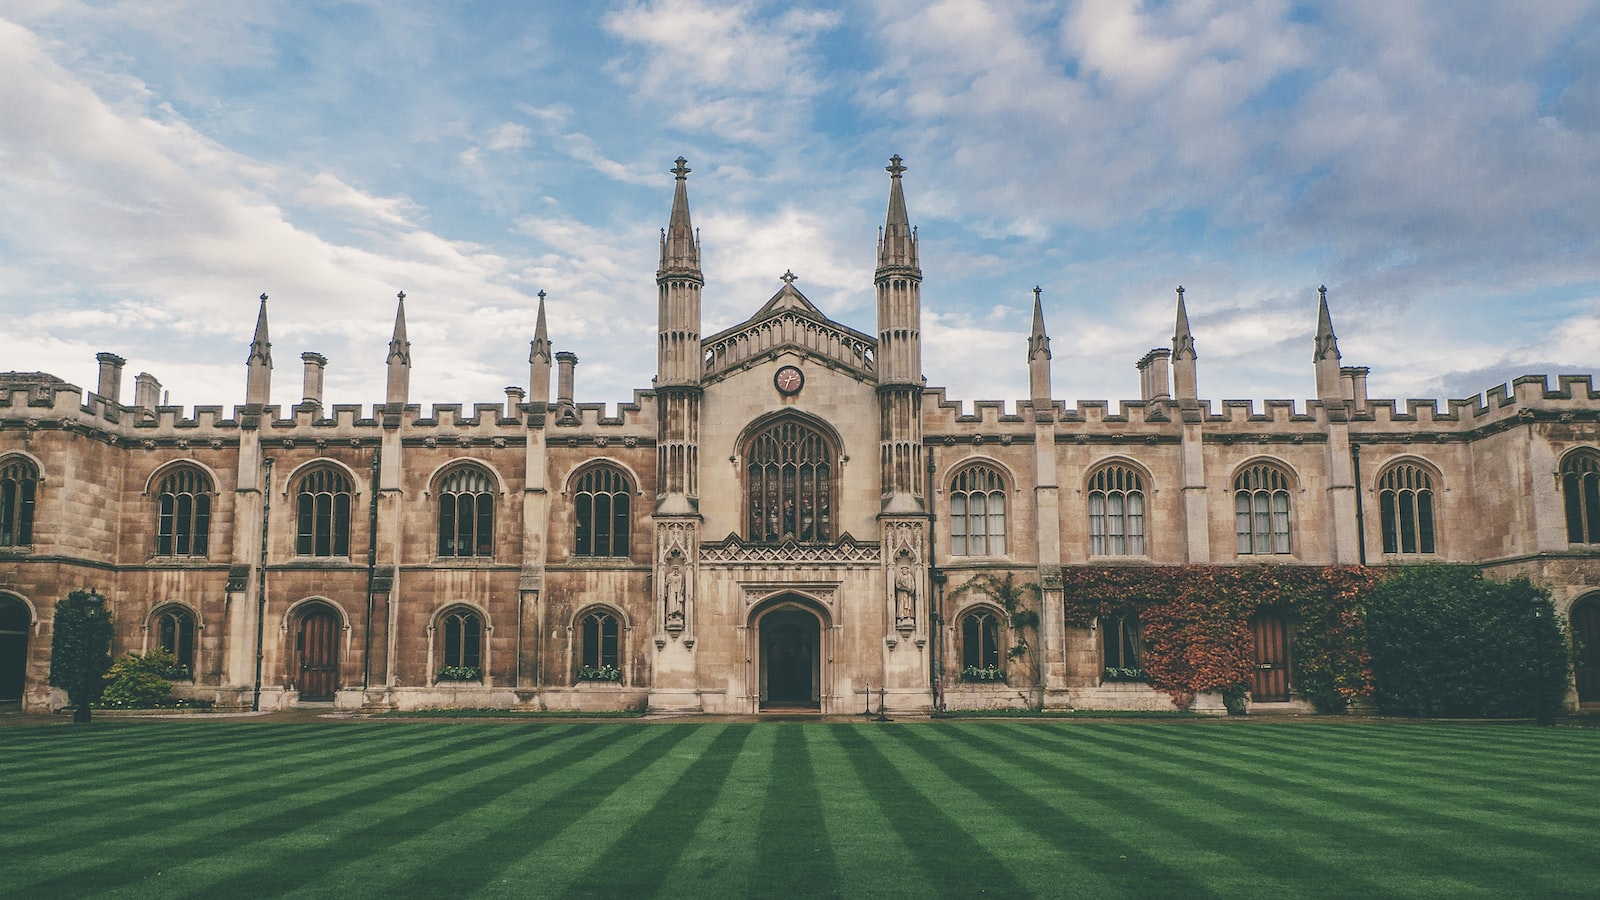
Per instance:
x=784, y=519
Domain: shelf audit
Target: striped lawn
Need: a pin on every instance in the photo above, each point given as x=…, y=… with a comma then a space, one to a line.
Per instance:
x=621, y=809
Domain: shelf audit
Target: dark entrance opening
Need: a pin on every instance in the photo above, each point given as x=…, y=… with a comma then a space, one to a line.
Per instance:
x=1269, y=682
x=791, y=645
x=1586, y=632
x=317, y=649
x=14, y=624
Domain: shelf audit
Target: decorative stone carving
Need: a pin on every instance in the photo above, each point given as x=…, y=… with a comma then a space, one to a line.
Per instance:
x=675, y=551
x=845, y=551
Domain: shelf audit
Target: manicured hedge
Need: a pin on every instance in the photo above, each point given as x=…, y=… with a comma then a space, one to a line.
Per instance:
x=1445, y=641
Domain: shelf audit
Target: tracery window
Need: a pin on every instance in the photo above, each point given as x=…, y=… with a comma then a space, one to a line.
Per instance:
x=1405, y=503
x=183, y=518
x=1580, y=487
x=175, y=634
x=19, y=482
x=790, y=490
x=1116, y=512
x=978, y=513
x=466, y=513
x=601, y=503
x=1261, y=510
x=463, y=640
x=980, y=641
x=1123, y=645
x=323, y=513
x=600, y=636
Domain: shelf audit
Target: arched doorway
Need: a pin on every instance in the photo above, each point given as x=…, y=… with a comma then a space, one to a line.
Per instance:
x=15, y=623
x=1586, y=634
x=790, y=659
x=316, y=647
x=1269, y=680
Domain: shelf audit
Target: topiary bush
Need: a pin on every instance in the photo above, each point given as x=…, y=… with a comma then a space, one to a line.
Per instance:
x=140, y=682
x=80, y=644
x=1445, y=641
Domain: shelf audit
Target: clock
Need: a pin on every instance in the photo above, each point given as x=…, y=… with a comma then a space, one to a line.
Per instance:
x=789, y=380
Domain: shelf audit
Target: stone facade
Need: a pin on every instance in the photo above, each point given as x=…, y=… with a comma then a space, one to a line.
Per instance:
x=785, y=519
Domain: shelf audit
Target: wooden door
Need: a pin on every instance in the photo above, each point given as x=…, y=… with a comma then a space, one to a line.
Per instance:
x=318, y=646
x=1586, y=632
x=1269, y=682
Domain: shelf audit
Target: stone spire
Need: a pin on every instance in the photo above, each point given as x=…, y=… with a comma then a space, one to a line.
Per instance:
x=899, y=286
x=679, y=362
x=399, y=357
x=1184, y=371
x=680, y=245
x=1039, y=357
x=897, y=245
x=1330, y=389
x=539, y=360
x=258, y=377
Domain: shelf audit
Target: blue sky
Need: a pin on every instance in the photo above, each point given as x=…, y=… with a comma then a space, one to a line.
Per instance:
x=164, y=162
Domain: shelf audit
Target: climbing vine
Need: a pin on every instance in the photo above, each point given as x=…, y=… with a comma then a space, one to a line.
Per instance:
x=1195, y=623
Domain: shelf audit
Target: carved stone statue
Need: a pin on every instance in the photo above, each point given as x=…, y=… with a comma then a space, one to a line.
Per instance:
x=905, y=596
x=675, y=600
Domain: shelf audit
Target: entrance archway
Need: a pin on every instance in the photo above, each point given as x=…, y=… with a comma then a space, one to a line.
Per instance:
x=1586, y=633
x=790, y=658
x=316, y=647
x=15, y=623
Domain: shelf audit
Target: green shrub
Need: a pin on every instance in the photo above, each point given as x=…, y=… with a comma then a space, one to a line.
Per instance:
x=80, y=642
x=140, y=682
x=1445, y=641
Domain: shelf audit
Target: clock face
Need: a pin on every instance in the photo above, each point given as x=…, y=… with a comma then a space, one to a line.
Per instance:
x=789, y=380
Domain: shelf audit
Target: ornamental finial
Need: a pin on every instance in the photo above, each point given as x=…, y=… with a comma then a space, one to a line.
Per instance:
x=682, y=170
x=894, y=168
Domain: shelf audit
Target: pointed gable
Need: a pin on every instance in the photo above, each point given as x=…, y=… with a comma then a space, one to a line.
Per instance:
x=789, y=321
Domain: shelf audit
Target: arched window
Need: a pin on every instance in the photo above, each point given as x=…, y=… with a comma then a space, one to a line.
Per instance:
x=466, y=513
x=980, y=644
x=463, y=646
x=790, y=487
x=183, y=523
x=19, y=481
x=1116, y=512
x=1261, y=509
x=601, y=502
x=175, y=634
x=324, y=513
x=1123, y=646
x=1405, y=502
x=978, y=513
x=598, y=653
x=1580, y=486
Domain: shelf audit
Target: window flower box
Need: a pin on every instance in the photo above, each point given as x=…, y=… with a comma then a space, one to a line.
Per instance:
x=459, y=673
x=600, y=673
x=982, y=674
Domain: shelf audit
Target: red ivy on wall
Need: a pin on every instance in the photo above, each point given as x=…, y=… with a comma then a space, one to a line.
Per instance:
x=1195, y=622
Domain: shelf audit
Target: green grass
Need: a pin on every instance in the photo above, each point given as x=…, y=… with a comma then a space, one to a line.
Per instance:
x=220, y=808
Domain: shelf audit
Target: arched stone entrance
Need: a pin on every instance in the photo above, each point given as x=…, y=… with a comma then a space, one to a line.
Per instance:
x=1586, y=634
x=316, y=652
x=15, y=623
x=792, y=664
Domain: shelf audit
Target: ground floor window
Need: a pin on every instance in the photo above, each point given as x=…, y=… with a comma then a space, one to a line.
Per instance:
x=600, y=636
x=1123, y=647
x=980, y=646
x=463, y=646
x=175, y=634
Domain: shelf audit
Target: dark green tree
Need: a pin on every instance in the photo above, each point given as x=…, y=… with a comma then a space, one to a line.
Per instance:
x=80, y=645
x=1445, y=641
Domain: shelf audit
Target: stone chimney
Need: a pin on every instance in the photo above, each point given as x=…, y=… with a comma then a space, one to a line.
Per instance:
x=316, y=363
x=1355, y=385
x=146, y=393
x=110, y=376
x=1154, y=380
x=514, y=397
x=566, y=361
